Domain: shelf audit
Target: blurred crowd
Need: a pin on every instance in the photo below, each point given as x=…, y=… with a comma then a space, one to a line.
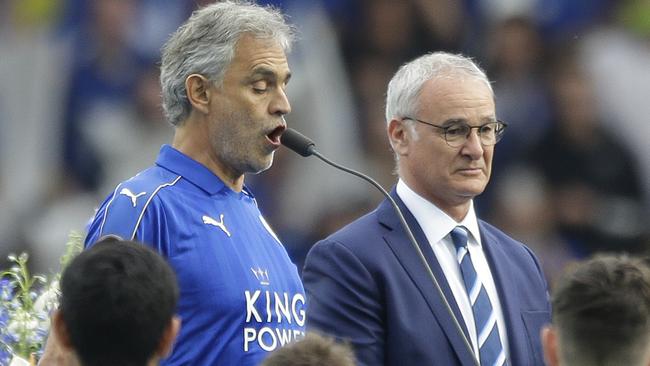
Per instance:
x=80, y=111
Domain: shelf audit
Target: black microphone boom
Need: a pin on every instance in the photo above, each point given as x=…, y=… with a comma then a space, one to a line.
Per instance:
x=304, y=146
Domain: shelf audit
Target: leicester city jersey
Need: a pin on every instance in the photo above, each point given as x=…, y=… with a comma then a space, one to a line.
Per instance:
x=241, y=296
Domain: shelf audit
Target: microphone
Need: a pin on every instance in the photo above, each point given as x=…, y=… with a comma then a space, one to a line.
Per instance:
x=304, y=146
x=297, y=142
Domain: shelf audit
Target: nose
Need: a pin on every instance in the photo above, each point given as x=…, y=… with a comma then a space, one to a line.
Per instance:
x=472, y=146
x=280, y=104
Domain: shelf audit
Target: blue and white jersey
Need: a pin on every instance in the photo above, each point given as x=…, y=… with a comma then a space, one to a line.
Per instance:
x=241, y=296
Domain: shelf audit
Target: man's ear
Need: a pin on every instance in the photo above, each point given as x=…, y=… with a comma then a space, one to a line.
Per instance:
x=166, y=344
x=198, y=89
x=550, y=346
x=398, y=136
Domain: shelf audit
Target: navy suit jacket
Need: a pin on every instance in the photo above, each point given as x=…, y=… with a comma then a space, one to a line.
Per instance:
x=366, y=284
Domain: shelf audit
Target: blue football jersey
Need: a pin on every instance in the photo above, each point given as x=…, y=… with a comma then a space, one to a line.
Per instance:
x=240, y=295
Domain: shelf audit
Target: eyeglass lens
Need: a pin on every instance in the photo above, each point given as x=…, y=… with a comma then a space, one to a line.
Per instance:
x=489, y=133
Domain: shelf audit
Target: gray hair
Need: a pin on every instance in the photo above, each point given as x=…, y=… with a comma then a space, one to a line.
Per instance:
x=406, y=85
x=205, y=45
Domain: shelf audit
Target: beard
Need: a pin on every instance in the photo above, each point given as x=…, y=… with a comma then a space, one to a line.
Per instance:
x=238, y=142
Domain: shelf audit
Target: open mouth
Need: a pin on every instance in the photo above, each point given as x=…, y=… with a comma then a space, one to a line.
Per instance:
x=274, y=136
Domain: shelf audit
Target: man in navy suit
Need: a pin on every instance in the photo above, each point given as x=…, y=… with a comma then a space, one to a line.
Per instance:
x=366, y=283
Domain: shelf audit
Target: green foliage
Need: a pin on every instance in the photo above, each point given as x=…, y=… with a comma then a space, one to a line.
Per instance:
x=27, y=301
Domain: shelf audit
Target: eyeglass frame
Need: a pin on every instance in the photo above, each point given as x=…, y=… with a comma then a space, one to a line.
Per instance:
x=478, y=130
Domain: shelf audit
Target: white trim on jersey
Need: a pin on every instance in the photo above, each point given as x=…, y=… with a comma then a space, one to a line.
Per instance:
x=149, y=200
x=101, y=227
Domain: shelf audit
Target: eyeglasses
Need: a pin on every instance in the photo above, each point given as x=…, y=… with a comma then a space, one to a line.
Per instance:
x=458, y=132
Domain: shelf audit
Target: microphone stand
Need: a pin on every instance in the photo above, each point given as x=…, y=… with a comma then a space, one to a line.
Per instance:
x=310, y=150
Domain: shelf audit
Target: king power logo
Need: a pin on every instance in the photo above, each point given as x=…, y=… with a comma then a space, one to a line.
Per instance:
x=273, y=319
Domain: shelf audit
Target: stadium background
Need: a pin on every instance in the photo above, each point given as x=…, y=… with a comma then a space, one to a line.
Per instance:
x=79, y=112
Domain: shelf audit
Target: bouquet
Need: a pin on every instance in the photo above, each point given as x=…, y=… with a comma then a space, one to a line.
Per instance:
x=26, y=303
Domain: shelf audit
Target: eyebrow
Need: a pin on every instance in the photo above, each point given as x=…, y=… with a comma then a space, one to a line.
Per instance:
x=452, y=121
x=268, y=74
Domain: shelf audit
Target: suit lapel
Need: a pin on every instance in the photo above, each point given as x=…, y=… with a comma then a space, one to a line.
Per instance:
x=499, y=262
x=401, y=247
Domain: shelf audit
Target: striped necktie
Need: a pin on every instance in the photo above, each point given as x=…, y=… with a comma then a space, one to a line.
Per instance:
x=491, y=352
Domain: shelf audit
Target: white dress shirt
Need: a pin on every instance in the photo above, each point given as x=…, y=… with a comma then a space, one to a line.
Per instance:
x=436, y=226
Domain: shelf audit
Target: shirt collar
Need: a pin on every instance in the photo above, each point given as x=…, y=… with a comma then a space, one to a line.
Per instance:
x=190, y=169
x=435, y=223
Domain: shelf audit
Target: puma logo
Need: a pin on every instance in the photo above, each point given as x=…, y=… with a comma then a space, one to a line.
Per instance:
x=210, y=221
x=127, y=192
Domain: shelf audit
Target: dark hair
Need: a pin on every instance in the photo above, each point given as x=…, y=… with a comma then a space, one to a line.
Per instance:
x=117, y=299
x=602, y=312
x=312, y=350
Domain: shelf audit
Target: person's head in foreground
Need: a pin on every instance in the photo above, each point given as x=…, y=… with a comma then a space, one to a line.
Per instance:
x=117, y=306
x=313, y=350
x=601, y=315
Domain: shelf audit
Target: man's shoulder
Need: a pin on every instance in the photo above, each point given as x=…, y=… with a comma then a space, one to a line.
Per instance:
x=361, y=227
x=137, y=192
x=355, y=238
x=150, y=179
x=123, y=210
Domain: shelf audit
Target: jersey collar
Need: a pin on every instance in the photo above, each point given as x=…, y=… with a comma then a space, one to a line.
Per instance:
x=190, y=169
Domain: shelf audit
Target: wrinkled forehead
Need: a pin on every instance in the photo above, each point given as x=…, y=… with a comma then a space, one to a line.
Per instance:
x=252, y=54
x=458, y=76
x=457, y=98
x=451, y=85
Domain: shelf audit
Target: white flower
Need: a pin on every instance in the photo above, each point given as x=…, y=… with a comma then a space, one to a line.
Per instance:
x=48, y=300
